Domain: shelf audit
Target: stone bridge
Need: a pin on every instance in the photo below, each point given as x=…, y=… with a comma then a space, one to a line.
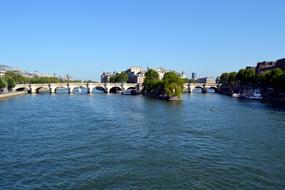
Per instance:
x=189, y=87
x=52, y=87
x=106, y=87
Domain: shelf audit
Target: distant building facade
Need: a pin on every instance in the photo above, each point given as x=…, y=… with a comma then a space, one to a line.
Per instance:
x=269, y=65
x=135, y=75
x=182, y=75
x=105, y=77
x=2, y=72
x=209, y=80
x=161, y=72
x=280, y=64
x=194, y=76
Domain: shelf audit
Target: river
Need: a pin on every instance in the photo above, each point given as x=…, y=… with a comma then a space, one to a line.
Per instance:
x=207, y=141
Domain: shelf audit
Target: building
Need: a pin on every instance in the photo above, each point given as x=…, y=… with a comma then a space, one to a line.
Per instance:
x=161, y=72
x=194, y=76
x=265, y=66
x=269, y=65
x=135, y=75
x=2, y=72
x=211, y=80
x=105, y=77
x=280, y=64
x=182, y=75
x=139, y=77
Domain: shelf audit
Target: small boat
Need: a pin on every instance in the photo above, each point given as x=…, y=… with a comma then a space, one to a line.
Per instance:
x=251, y=95
x=236, y=95
x=255, y=95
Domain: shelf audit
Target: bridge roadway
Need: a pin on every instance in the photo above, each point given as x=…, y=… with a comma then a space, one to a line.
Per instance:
x=106, y=87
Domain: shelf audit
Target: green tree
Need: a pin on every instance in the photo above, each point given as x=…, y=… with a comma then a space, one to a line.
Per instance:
x=232, y=78
x=186, y=80
x=3, y=83
x=122, y=77
x=173, y=84
x=277, y=76
x=119, y=77
x=112, y=79
x=17, y=77
x=151, y=75
x=246, y=76
x=151, y=81
x=11, y=83
x=224, y=79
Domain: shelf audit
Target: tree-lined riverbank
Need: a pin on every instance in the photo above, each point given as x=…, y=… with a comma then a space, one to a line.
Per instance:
x=271, y=83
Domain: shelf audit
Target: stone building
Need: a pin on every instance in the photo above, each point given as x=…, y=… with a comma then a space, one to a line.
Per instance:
x=135, y=75
x=280, y=64
x=161, y=72
x=194, y=76
x=2, y=72
x=209, y=80
x=269, y=65
x=105, y=77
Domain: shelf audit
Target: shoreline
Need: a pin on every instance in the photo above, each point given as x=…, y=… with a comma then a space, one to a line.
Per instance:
x=11, y=94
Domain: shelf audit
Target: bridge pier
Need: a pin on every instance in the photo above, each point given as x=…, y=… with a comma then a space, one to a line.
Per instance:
x=33, y=90
x=52, y=90
x=204, y=90
x=89, y=90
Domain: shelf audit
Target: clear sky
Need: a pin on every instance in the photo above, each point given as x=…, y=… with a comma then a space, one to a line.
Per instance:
x=83, y=38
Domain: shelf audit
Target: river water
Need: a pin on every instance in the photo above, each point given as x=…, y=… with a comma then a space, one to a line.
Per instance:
x=207, y=141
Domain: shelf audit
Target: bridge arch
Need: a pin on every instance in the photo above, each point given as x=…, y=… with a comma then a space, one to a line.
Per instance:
x=131, y=88
x=79, y=89
x=209, y=89
x=61, y=90
x=98, y=88
x=42, y=89
x=22, y=88
x=115, y=89
x=196, y=89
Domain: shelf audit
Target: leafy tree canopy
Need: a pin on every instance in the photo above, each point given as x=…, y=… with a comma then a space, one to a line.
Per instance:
x=3, y=83
x=119, y=77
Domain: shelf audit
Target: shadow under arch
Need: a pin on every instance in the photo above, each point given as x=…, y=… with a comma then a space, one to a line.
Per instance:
x=115, y=90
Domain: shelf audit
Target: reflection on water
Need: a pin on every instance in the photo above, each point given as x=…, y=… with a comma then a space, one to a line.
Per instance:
x=104, y=141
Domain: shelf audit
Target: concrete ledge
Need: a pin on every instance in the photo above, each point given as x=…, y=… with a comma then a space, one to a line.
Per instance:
x=12, y=94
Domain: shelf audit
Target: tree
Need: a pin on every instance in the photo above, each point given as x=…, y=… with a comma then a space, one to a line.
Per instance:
x=121, y=77
x=277, y=76
x=151, y=81
x=246, y=76
x=224, y=78
x=151, y=75
x=232, y=78
x=3, y=83
x=241, y=76
x=17, y=77
x=264, y=79
x=250, y=76
x=173, y=84
x=186, y=80
x=11, y=83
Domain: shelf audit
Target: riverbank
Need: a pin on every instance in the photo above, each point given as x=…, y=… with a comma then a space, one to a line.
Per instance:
x=11, y=94
x=267, y=97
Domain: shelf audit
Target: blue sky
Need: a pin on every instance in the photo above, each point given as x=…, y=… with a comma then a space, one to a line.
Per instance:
x=83, y=38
